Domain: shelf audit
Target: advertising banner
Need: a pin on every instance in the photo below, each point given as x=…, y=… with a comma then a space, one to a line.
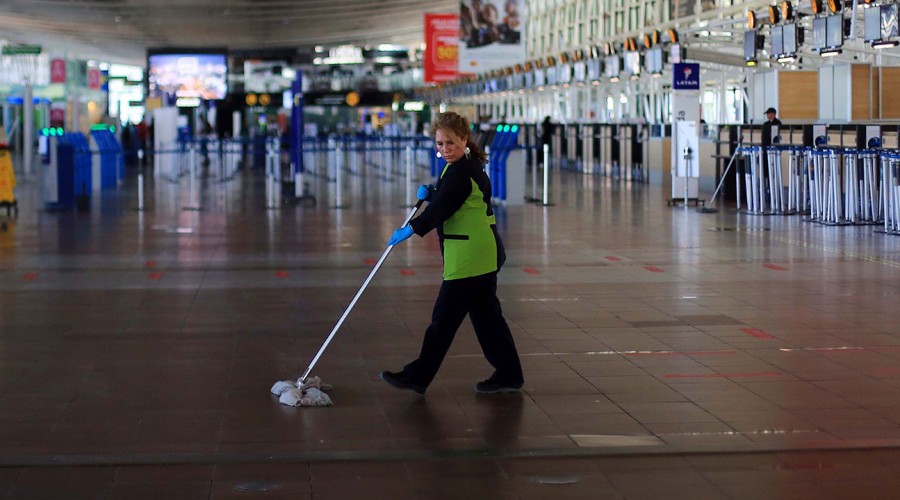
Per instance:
x=490, y=35
x=93, y=78
x=58, y=70
x=441, y=47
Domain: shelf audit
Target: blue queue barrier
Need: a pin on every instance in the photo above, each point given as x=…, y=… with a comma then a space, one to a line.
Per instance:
x=68, y=175
x=110, y=158
x=82, y=163
x=507, y=172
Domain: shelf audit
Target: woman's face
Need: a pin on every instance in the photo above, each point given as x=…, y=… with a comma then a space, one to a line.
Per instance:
x=451, y=147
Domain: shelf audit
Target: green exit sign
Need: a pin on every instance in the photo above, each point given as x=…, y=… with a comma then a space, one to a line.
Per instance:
x=19, y=50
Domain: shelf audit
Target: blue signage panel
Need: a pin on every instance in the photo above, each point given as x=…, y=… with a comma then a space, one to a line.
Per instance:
x=686, y=76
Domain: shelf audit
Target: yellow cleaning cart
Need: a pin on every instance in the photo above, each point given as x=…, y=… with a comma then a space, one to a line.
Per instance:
x=7, y=182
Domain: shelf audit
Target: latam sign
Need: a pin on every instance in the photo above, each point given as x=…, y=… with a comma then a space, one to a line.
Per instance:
x=686, y=76
x=441, y=47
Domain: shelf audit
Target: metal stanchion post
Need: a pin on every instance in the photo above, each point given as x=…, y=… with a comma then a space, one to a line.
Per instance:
x=409, y=173
x=140, y=180
x=546, y=198
x=338, y=175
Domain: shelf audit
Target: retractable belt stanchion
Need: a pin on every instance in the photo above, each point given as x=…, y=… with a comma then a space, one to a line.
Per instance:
x=546, y=198
x=754, y=189
x=338, y=175
x=817, y=185
x=852, y=197
x=886, y=183
x=871, y=206
x=273, y=176
x=890, y=191
x=796, y=195
x=776, y=182
x=192, y=174
x=835, y=201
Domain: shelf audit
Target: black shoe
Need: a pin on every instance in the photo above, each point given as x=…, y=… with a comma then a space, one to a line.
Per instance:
x=490, y=387
x=400, y=381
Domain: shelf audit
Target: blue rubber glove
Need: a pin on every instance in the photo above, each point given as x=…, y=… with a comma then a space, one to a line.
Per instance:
x=424, y=192
x=400, y=235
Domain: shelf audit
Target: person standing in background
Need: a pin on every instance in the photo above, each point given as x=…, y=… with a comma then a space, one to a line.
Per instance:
x=547, y=128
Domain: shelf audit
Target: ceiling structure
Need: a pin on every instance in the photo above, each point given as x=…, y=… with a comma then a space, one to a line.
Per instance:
x=122, y=30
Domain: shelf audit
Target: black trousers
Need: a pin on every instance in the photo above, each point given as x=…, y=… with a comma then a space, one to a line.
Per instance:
x=477, y=298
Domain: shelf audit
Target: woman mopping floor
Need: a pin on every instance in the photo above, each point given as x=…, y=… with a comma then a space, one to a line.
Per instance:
x=460, y=209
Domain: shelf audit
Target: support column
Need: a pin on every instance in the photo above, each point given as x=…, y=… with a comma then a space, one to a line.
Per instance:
x=27, y=128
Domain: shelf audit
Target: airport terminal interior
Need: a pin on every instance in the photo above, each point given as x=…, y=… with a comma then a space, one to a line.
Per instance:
x=702, y=242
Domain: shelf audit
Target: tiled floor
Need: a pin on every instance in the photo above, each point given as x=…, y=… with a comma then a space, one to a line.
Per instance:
x=667, y=353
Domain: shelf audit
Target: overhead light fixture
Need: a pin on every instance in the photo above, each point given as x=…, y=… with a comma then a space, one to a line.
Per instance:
x=614, y=79
x=884, y=44
x=787, y=11
x=673, y=35
x=830, y=52
x=816, y=6
x=787, y=59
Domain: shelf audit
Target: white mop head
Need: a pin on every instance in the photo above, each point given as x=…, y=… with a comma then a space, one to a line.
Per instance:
x=310, y=393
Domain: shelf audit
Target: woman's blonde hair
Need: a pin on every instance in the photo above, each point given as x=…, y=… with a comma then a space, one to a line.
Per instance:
x=457, y=126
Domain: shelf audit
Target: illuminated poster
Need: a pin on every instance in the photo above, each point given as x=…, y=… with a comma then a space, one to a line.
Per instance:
x=93, y=78
x=441, y=47
x=490, y=35
x=58, y=71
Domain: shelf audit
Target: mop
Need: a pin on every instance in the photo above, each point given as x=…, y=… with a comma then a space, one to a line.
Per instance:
x=308, y=391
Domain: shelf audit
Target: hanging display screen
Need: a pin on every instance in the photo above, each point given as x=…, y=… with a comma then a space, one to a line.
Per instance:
x=889, y=27
x=790, y=39
x=872, y=24
x=653, y=60
x=187, y=75
x=750, y=45
x=612, y=66
x=632, y=63
x=776, y=37
x=834, y=31
x=819, y=28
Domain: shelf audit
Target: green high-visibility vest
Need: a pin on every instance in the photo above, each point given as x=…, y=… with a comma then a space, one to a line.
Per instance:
x=469, y=245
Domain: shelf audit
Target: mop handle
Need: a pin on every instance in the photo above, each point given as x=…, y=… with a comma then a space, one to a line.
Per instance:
x=353, y=302
x=722, y=180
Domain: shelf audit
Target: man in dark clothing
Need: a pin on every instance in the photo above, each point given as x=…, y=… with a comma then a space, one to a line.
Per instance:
x=546, y=137
x=771, y=119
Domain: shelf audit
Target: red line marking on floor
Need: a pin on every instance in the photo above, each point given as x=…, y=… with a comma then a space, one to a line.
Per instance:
x=721, y=375
x=681, y=353
x=407, y=272
x=29, y=276
x=531, y=270
x=757, y=333
x=653, y=269
x=150, y=263
x=804, y=466
x=612, y=258
x=885, y=371
x=281, y=274
x=155, y=276
x=775, y=267
x=369, y=262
